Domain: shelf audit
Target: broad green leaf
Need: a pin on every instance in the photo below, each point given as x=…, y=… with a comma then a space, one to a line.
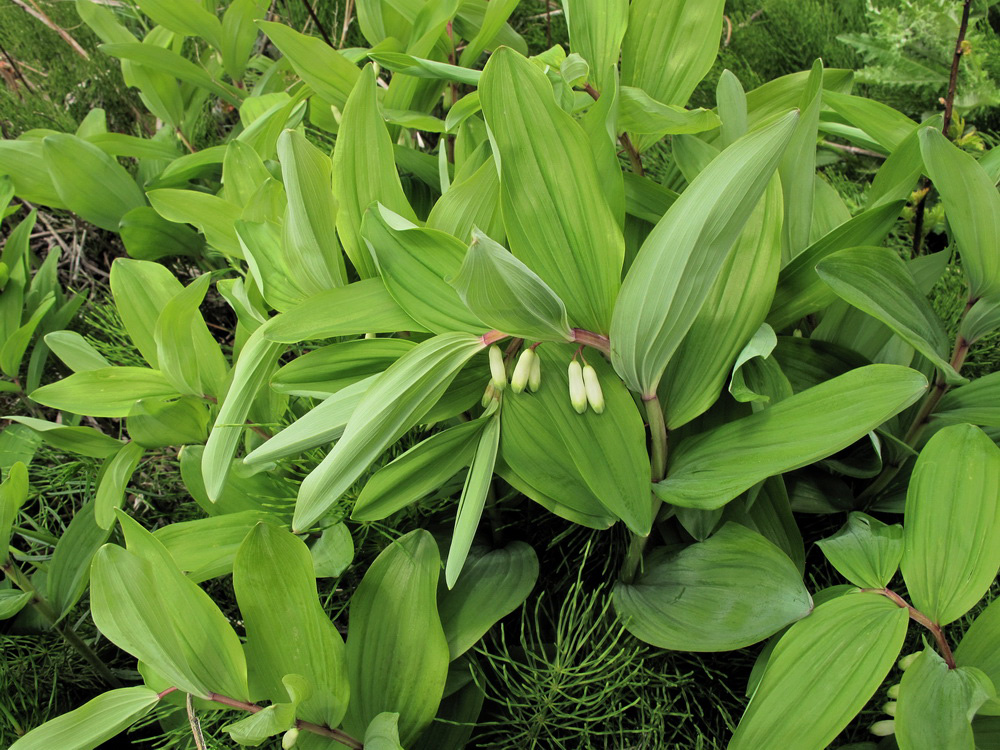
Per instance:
x=798, y=168
x=822, y=673
x=383, y=732
x=877, y=281
x=13, y=494
x=469, y=203
x=143, y=604
x=159, y=422
x=492, y=586
x=887, y=126
x=239, y=35
x=206, y=547
x=108, y=392
x=508, y=295
x=276, y=590
x=865, y=551
x=69, y=568
x=770, y=515
x=757, y=350
x=473, y=499
x=780, y=94
x=710, y=469
x=362, y=307
x=976, y=403
x=257, y=727
x=735, y=307
x=640, y=113
x=89, y=182
x=364, y=171
x=492, y=29
x=420, y=471
x=681, y=259
x=937, y=704
x=645, y=199
x=414, y=263
x=115, y=476
x=148, y=236
x=972, y=205
x=311, y=248
x=588, y=462
x=333, y=552
x=160, y=59
x=898, y=175
x=982, y=318
x=246, y=488
x=13, y=349
x=556, y=217
x=980, y=648
x=330, y=368
x=731, y=591
x=324, y=69
x=397, y=655
x=141, y=290
x=12, y=602
x=596, y=30
x=732, y=105
x=27, y=166
x=800, y=290
x=419, y=67
x=395, y=402
x=250, y=374
x=186, y=17
x=951, y=540
x=215, y=217
x=85, y=441
x=94, y=723
x=322, y=424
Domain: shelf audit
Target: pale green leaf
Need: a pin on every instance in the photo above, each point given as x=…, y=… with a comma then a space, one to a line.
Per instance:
x=596, y=29
x=108, y=392
x=324, y=69
x=86, y=441
x=141, y=290
x=115, y=476
x=865, y=551
x=980, y=648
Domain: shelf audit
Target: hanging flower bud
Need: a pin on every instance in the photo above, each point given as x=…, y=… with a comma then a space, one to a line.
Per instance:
x=893, y=691
x=489, y=394
x=595, y=396
x=577, y=388
x=889, y=708
x=289, y=739
x=535, y=376
x=883, y=728
x=497, y=369
x=907, y=660
x=522, y=371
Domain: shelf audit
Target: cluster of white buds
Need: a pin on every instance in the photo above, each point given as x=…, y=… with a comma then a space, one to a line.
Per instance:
x=585, y=388
x=887, y=727
x=527, y=372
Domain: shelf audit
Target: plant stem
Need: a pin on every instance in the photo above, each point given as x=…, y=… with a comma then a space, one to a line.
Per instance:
x=633, y=154
x=593, y=340
x=657, y=470
x=919, y=617
x=342, y=737
x=45, y=609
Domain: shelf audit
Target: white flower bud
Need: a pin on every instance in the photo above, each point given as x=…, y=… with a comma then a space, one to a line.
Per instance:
x=889, y=708
x=522, y=371
x=488, y=395
x=907, y=660
x=497, y=369
x=289, y=739
x=883, y=728
x=595, y=396
x=535, y=376
x=577, y=388
x=893, y=691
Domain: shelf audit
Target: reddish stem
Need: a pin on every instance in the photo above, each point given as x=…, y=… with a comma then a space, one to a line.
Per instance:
x=336, y=734
x=917, y=616
x=491, y=337
x=594, y=340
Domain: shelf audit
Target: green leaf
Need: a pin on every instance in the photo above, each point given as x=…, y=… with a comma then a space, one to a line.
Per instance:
x=593, y=464
x=383, y=732
x=148, y=236
x=508, y=295
x=800, y=290
x=115, y=476
x=951, y=540
x=215, y=217
x=877, y=281
x=143, y=604
x=797, y=170
x=770, y=515
x=94, y=723
x=982, y=318
x=596, y=30
x=397, y=655
x=324, y=69
x=12, y=602
x=27, y=166
x=312, y=252
x=491, y=587
x=887, y=126
x=420, y=471
x=557, y=219
x=251, y=372
x=865, y=551
x=734, y=309
x=333, y=552
x=13, y=349
x=160, y=59
x=141, y=290
x=159, y=422
x=257, y=727
x=710, y=469
x=490, y=32
x=89, y=182
x=822, y=673
x=108, y=392
x=681, y=259
x=276, y=590
x=206, y=547
x=395, y=402
x=898, y=175
x=470, y=202
x=731, y=591
x=473, y=499
x=640, y=113
x=936, y=704
x=85, y=441
x=330, y=368
x=69, y=567
x=980, y=648
x=414, y=263
x=732, y=105
x=364, y=171
x=972, y=205
x=186, y=17
x=239, y=35
x=976, y=403
x=13, y=493
x=418, y=67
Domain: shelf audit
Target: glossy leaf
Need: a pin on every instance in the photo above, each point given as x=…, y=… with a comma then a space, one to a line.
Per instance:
x=709, y=470
x=276, y=590
x=865, y=551
x=731, y=591
x=951, y=539
x=25, y=162
x=94, y=723
x=681, y=259
x=822, y=673
x=12, y=602
x=397, y=655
